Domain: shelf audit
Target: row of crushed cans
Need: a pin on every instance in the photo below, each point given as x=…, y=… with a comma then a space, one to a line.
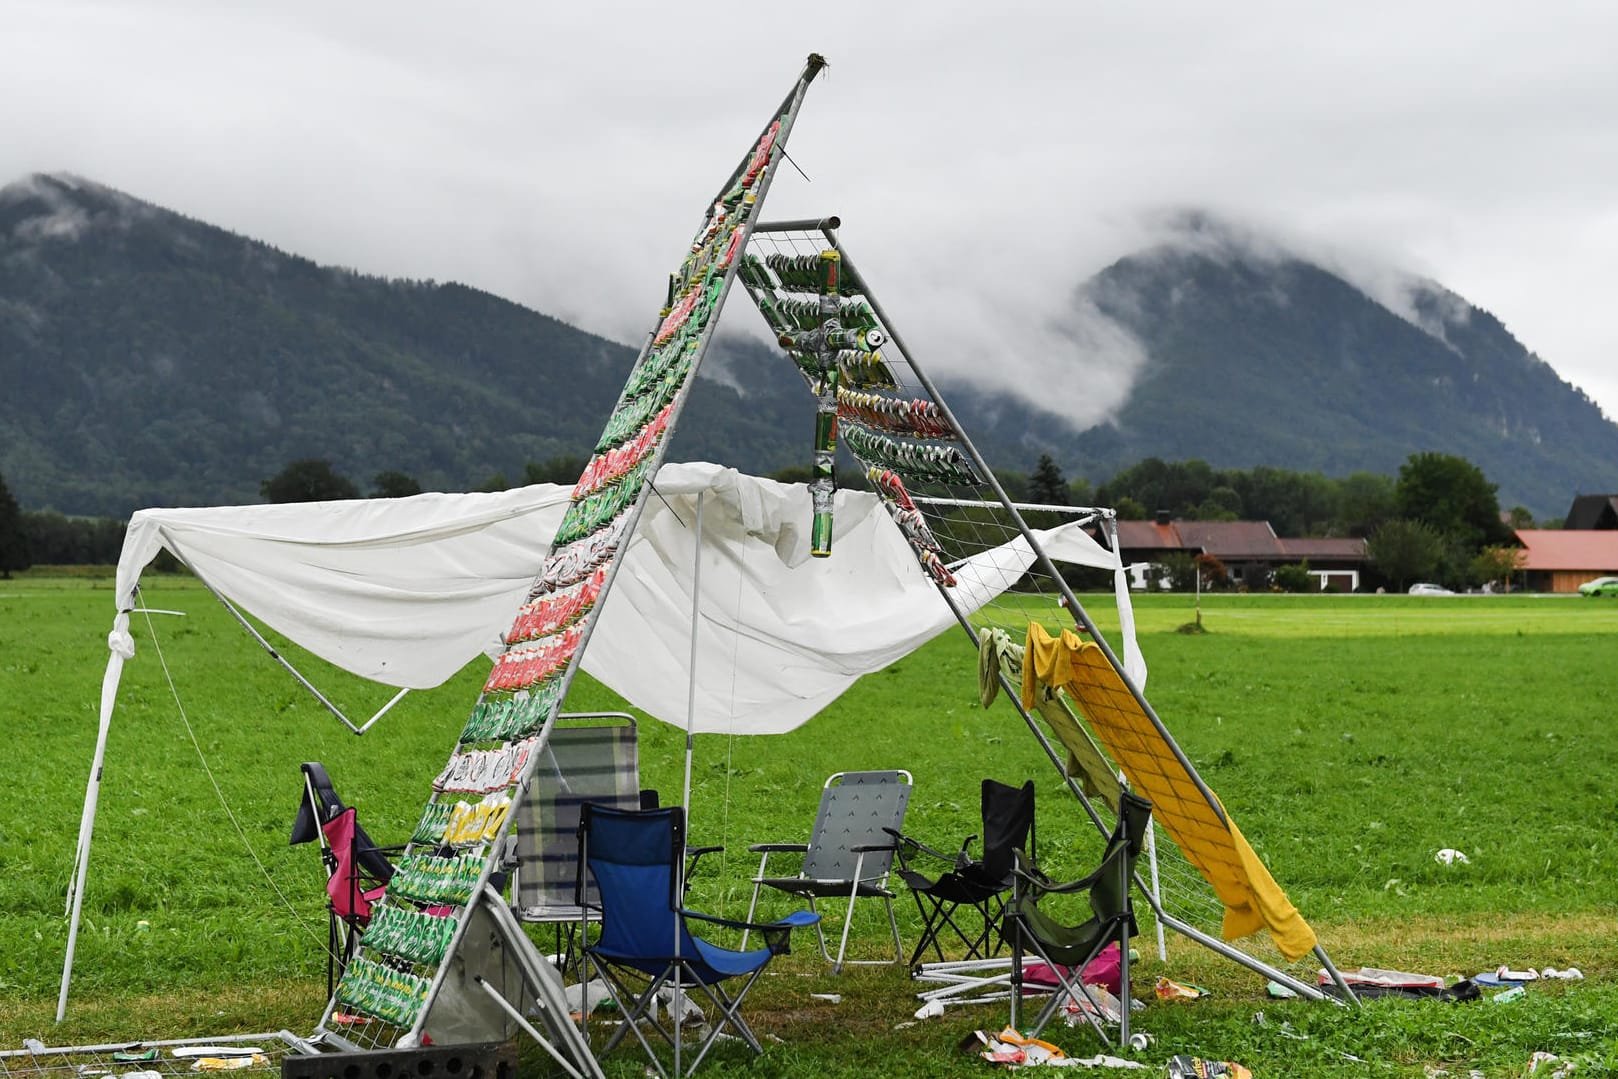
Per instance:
x=392, y=996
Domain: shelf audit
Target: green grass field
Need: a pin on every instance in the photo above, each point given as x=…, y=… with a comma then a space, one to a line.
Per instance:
x=1351, y=738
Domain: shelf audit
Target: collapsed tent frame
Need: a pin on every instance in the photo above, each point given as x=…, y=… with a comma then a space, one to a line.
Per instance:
x=826, y=229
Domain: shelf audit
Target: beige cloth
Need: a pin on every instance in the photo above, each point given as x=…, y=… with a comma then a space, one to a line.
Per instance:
x=998, y=654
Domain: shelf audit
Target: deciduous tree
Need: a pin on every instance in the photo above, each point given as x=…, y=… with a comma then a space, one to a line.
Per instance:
x=13, y=544
x=1453, y=496
x=393, y=484
x=1405, y=550
x=1495, y=565
x=309, y=480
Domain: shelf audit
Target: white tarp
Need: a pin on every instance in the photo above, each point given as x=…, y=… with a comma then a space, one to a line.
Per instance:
x=407, y=591
x=403, y=591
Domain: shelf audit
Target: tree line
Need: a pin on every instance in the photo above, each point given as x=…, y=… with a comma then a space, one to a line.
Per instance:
x=1438, y=519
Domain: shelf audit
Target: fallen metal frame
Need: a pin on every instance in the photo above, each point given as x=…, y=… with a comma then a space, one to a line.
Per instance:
x=76, y=1061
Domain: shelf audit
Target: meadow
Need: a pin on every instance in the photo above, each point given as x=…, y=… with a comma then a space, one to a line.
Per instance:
x=1350, y=737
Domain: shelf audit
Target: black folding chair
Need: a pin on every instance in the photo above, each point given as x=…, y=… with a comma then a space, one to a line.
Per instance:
x=978, y=884
x=1067, y=949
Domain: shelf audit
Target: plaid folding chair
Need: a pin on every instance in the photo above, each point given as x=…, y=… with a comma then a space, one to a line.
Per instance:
x=849, y=853
x=591, y=757
x=646, y=943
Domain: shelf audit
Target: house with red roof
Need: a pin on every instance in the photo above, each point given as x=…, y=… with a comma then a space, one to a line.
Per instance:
x=1249, y=550
x=1584, y=548
x=1561, y=559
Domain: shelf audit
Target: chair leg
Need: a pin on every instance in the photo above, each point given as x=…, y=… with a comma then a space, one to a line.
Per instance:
x=636, y=1009
x=893, y=923
x=929, y=934
x=729, y=1007
x=333, y=943
x=848, y=920
x=1123, y=986
x=944, y=915
x=1016, y=976
x=753, y=904
x=1068, y=988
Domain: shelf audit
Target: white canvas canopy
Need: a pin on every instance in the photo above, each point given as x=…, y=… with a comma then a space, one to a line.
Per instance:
x=406, y=592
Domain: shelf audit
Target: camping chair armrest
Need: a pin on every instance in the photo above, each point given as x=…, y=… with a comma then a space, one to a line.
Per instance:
x=779, y=848
x=1045, y=886
x=777, y=935
x=694, y=855
x=867, y=848
x=907, y=846
x=1024, y=869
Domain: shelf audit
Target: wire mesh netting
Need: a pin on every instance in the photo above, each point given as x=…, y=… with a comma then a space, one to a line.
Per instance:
x=239, y=1054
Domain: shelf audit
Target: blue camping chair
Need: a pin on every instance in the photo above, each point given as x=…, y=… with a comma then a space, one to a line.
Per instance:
x=646, y=943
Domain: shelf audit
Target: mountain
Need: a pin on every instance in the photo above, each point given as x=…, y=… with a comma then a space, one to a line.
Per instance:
x=1259, y=357
x=149, y=359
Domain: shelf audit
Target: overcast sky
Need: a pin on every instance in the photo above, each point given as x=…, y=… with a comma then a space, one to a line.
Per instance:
x=984, y=158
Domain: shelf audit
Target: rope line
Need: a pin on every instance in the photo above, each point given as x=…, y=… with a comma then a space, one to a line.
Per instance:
x=185, y=721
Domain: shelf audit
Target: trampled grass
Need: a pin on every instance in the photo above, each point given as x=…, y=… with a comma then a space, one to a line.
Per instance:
x=1351, y=738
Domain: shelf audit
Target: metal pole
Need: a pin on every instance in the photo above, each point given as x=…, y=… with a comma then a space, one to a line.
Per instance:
x=87, y=817
x=1080, y=615
x=805, y=224
x=691, y=669
x=677, y=1005
x=282, y=660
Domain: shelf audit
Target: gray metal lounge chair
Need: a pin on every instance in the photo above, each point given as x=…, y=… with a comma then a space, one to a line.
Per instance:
x=849, y=853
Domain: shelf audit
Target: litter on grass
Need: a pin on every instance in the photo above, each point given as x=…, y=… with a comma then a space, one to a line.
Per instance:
x=1285, y=1029
x=1451, y=856
x=1503, y=977
x=1011, y=1049
x=1190, y=1067
x=1550, y=1066
x=1168, y=989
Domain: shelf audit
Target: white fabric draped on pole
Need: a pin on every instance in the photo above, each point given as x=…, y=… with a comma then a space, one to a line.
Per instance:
x=407, y=591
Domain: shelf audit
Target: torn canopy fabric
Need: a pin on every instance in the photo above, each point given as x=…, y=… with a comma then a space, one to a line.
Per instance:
x=407, y=591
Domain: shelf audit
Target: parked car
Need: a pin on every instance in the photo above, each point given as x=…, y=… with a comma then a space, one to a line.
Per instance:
x=1426, y=589
x=1601, y=586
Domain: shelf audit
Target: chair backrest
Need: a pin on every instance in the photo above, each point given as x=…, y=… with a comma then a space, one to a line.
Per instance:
x=1109, y=896
x=855, y=809
x=595, y=762
x=318, y=803
x=631, y=856
x=350, y=886
x=1008, y=826
x=319, y=806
